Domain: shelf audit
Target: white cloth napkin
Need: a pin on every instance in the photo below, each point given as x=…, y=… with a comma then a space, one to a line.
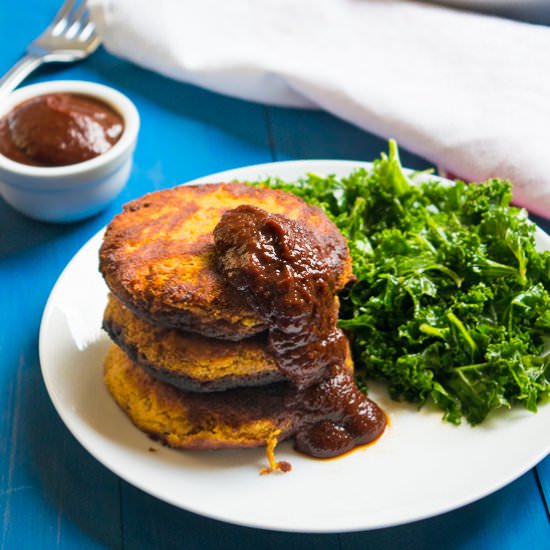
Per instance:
x=469, y=92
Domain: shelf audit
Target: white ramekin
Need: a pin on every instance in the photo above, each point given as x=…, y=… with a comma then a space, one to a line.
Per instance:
x=74, y=192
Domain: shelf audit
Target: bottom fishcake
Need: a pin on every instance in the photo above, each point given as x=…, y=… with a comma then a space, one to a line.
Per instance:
x=326, y=419
x=237, y=418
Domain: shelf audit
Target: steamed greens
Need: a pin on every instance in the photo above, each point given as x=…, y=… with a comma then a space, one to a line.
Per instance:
x=452, y=303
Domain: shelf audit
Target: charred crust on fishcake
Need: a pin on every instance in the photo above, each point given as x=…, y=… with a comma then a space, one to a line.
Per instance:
x=158, y=256
x=189, y=361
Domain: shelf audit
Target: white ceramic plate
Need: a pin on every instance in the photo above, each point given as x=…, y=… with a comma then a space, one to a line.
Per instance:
x=420, y=468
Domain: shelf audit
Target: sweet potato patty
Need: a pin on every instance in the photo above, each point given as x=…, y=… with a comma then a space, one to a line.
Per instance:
x=239, y=417
x=242, y=417
x=158, y=256
x=189, y=361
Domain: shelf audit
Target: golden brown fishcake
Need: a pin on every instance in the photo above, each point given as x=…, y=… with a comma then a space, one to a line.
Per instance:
x=189, y=361
x=236, y=418
x=158, y=256
x=244, y=417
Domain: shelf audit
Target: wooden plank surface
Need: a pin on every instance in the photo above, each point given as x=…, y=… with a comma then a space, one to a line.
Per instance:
x=543, y=477
x=510, y=519
x=53, y=494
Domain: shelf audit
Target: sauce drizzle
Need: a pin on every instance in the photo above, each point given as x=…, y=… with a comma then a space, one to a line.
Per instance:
x=288, y=278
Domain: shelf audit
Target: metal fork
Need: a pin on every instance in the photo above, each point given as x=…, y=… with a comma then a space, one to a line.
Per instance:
x=70, y=37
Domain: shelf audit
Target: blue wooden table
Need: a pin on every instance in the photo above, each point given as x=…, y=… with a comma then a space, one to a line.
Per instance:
x=52, y=492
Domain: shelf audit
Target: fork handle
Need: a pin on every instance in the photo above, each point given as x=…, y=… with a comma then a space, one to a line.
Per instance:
x=19, y=72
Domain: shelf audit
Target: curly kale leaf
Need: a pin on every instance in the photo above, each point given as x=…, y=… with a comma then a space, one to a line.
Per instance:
x=452, y=302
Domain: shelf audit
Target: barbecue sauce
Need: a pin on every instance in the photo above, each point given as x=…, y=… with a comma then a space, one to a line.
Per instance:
x=59, y=129
x=288, y=278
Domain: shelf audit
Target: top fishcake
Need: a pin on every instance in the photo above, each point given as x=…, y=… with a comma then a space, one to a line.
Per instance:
x=158, y=256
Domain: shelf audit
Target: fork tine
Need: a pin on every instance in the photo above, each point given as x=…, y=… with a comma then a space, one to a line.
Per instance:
x=64, y=10
x=77, y=20
x=77, y=11
x=84, y=19
x=60, y=20
x=72, y=36
x=87, y=31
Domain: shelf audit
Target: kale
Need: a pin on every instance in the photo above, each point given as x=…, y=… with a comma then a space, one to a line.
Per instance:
x=452, y=300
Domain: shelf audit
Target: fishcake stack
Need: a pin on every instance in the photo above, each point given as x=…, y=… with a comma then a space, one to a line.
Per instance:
x=190, y=363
